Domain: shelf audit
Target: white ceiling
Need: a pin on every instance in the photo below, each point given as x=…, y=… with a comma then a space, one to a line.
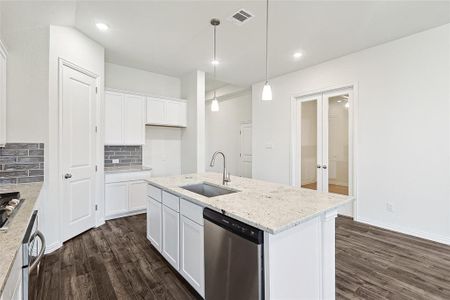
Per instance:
x=174, y=38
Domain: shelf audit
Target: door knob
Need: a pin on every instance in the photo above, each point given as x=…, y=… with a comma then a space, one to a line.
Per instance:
x=319, y=166
x=324, y=167
x=67, y=176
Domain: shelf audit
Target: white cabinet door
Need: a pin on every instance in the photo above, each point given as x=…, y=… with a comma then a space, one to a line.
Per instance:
x=175, y=113
x=137, y=195
x=113, y=118
x=156, y=110
x=133, y=120
x=170, y=241
x=154, y=222
x=116, y=198
x=191, y=254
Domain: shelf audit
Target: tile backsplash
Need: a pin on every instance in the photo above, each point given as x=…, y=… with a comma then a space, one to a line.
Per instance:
x=21, y=163
x=126, y=155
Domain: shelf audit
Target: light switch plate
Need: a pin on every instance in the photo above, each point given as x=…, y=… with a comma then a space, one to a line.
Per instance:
x=115, y=161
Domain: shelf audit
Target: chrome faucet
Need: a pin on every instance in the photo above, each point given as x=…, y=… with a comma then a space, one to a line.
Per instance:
x=226, y=175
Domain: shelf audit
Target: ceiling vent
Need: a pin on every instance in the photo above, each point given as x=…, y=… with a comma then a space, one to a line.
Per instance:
x=241, y=16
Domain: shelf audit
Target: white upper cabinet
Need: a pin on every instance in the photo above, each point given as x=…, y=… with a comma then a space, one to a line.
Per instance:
x=2, y=95
x=176, y=113
x=113, y=118
x=133, y=121
x=166, y=112
x=156, y=110
x=124, y=119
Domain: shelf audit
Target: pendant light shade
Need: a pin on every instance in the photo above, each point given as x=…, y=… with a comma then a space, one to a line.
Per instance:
x=266, y=92
x=215, y=105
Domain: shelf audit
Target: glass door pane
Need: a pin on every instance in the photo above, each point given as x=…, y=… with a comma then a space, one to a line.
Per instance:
x=308, y=144
x=338, y=141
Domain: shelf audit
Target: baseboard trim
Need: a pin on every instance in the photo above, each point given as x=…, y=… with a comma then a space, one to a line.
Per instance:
x=127, y=214
x=417, y=233
x=53, y=247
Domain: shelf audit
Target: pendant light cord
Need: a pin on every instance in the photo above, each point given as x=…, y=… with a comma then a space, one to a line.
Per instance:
x=214, y=65
x=267, y=40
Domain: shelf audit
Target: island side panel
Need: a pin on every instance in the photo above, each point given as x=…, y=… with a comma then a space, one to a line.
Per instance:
x=299, y=262
x=329, y=254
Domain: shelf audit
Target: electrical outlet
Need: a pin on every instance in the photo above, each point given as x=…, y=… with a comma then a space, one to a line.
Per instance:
x=115, y=161
x=389, y=207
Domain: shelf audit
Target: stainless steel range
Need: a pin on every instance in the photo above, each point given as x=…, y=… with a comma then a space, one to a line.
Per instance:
x=9, y=205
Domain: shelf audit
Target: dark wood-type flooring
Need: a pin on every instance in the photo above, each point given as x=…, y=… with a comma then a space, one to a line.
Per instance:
x=113, y=261
x=373, y=263
x=116, y=261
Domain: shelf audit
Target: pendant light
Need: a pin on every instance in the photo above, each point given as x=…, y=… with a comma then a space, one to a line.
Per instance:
x=215, y=62
x=267, y=90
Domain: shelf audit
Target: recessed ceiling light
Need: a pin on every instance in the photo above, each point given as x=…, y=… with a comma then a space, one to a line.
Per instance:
x=297, y=55
x=215, y=62
x=102, y=26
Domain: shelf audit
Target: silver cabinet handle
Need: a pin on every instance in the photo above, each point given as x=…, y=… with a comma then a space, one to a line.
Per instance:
x=68, y=176
x=319, y=166
x=38, y=234
x=324, y=167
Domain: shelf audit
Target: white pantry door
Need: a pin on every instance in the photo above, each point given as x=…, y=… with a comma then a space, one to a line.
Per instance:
x=77, y=152
x=245, y=160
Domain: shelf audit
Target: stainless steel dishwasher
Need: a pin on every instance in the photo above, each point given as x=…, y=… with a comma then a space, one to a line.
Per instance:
x=234, y=264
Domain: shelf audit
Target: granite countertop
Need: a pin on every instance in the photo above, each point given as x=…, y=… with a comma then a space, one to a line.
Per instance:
x=268, y=206
x=125, y=169
x=11, y=240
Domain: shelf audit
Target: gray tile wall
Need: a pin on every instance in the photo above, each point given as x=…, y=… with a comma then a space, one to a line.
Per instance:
x=21, y=163
x=127, y=155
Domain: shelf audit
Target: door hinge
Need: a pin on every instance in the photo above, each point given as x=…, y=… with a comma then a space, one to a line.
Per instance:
x=96, y=128
x=96, y=207
x=96, y=168
x=96, y=90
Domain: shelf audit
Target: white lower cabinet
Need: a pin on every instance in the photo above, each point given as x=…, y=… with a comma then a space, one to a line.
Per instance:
x=191, y=254
x=116, y=196
x=175, y=228
x=171, y=236
x=13, y=286
x=125, y=194
x=137, y=191
x=154, y=222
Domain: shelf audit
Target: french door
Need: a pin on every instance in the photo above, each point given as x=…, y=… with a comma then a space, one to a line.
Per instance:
x=324, y=139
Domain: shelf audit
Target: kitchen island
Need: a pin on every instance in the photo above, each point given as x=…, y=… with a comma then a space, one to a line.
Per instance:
x=298, y=225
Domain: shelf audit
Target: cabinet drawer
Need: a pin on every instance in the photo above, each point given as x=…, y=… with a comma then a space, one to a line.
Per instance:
x=154, y=192
x=171, y=201
x=191, y=211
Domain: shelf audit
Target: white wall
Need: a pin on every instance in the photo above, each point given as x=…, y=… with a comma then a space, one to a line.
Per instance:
x=222, y=131
x=27, y=76
x=403, y=91
x=71, y=45
x=193, y=137
x=162, y=149
x=130, y=79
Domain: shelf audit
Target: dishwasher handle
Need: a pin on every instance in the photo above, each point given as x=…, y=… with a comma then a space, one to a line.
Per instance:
x=243, y=230
x=40, y=236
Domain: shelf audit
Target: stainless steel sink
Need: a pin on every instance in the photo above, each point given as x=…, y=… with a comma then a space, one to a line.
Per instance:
x=208, y=190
